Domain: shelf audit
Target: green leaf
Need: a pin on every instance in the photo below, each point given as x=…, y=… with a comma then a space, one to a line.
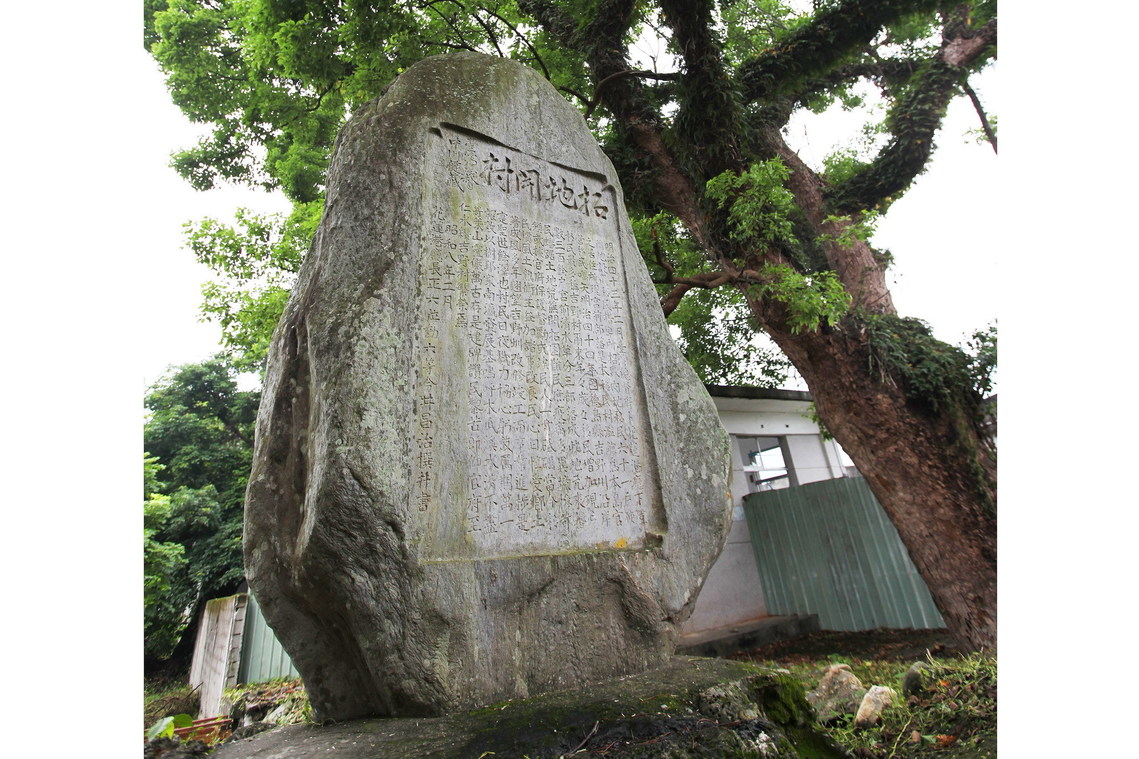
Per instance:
x=760, y=209
x=165, y=727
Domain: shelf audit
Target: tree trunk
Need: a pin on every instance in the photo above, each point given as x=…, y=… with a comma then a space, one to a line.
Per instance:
x=932, y=472
x=930, y=469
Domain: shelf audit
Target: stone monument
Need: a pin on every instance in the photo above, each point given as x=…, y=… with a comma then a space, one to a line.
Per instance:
x=483, y=469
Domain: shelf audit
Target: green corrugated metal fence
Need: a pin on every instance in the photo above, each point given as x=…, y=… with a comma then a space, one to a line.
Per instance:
x=827, y=548
x=262, y=657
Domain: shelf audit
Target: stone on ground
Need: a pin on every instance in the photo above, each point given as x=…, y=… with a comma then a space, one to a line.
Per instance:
x=839, y=692
x=876, y=700
x=483, y=470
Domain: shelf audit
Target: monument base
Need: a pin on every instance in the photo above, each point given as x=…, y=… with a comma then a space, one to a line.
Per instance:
x=690, y=707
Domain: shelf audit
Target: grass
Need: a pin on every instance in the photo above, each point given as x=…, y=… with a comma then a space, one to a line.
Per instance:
x=260, y=699
x=953, y=717
x=165, y=697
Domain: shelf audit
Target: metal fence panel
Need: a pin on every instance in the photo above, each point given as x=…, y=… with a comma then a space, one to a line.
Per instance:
x=828, y=548
x=262, y=657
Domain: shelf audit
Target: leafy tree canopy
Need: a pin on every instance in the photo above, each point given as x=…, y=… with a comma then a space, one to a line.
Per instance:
x=198, y=441
x=275, y=79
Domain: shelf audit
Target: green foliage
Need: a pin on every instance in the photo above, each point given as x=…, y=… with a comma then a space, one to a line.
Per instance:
x=714, y=328
x=851, y=230
x=166, y=583
x=751, y=27
x=982, y=349
x=842, y=164
x=718, y=337
x=255, y=261
x=978, y=136
x=168, y=694
x=912, y=123
x=271, y=696
x=274, y=81
x=955, y=716
x=816, y=44
x=760, y=208
x=198, y=438
x=165, y=727
x=812, y=300
x=813, y=415
x=933, y=374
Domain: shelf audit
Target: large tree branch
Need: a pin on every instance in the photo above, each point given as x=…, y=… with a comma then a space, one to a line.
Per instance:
x=852, y=261
x=884, y=74
x=710, y=116
x=624, y=96
x=552, y=17
x=462, y=44
x=595, y=101
x=913, y=122
x=831, y=36
x=989, y=133
x=522, y=38
x=682, y=285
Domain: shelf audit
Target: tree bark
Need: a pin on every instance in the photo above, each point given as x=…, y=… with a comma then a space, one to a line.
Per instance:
x=922, y=468
x=932, y=471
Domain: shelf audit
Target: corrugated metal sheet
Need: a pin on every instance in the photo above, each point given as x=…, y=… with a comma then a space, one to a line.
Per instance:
x=827, y=548
x=262, y=657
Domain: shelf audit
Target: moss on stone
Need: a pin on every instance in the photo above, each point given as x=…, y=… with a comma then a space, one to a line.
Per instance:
x=689, y=708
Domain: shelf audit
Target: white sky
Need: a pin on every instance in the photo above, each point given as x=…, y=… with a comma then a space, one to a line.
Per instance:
x=174, y=332
x=942, y=231
x=99, y=299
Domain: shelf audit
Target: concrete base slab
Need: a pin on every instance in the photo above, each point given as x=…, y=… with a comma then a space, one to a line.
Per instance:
x=724, y=641
x=689, y=707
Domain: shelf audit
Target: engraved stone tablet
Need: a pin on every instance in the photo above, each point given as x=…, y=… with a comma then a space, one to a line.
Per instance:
x=483, y=470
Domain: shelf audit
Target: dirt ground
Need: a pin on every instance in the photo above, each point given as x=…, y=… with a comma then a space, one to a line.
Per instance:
x=881, y=645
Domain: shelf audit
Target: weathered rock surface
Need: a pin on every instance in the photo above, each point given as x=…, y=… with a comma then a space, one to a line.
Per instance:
x=876, y=700
x=839, y=692
x=688, y=708
x=483, y=470
x=914, y=681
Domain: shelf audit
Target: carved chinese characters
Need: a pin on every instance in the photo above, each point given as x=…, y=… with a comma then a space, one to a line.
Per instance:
x=526, y=326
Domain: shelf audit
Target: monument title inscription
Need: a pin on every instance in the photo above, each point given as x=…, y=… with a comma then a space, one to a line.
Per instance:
x=525, y=340
x=483, y=470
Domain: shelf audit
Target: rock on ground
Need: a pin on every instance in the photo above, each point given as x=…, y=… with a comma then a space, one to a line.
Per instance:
x=878, y=698
x=483, y=469
x=839, y=692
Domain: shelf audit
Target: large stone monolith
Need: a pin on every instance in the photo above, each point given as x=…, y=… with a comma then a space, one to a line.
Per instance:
x=483, y=469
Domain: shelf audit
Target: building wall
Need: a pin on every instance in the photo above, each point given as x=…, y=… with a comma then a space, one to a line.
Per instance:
x=733, y=592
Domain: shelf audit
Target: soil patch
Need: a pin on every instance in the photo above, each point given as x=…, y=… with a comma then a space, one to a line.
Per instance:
x=879, y=645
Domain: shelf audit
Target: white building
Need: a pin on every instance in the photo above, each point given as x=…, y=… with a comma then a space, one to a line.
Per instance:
x=774, y=445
